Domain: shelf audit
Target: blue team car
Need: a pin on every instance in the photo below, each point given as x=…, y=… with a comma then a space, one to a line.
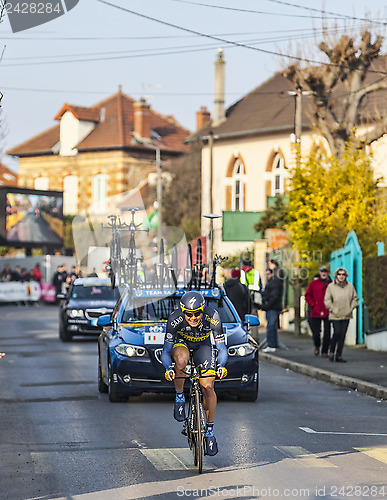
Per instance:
x=131, y=342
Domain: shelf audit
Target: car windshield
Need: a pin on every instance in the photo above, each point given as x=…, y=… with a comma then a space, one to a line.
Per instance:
x=158, y=310
x=95, y=292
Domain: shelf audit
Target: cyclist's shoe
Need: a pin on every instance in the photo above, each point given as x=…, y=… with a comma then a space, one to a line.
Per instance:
x=179, y=411
x=210, y=444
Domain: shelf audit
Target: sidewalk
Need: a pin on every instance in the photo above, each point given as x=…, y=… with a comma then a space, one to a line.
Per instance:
x=364, y=371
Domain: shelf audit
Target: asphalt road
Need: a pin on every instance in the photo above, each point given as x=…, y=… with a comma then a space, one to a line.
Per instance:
x=60, y=438
x=33, y=229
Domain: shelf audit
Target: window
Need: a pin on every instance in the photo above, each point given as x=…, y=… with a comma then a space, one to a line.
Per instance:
x=278, y=175
x=238, y=187
x=41, y=183
x=70, y=194
x=99, y=193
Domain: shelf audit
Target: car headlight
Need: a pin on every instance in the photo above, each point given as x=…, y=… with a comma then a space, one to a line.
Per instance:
x=241, y=350
x=131, y=350
x=75, y=313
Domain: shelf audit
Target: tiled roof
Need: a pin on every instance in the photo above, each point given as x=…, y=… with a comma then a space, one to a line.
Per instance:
x=113, y=131
x=87, y=114
x=269, y=108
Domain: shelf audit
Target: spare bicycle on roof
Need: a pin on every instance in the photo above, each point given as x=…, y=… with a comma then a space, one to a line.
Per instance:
x=125, y=271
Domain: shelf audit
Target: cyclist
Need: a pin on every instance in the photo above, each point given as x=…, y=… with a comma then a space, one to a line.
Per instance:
x=197, y=327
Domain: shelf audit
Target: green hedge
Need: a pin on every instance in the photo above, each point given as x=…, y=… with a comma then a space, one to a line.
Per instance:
x=375, y=290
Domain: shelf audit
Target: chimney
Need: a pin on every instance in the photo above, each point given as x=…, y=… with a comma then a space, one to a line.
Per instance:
x=219, y=110
x=142, y=125
x=203, y=116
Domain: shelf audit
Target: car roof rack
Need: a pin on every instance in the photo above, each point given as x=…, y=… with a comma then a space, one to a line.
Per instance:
x=125, y=271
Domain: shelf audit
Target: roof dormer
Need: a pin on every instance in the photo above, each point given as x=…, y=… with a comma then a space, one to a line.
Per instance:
x=75, y=124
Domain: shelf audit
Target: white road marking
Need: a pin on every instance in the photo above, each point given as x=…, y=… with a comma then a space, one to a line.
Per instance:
x=305, y=458
x=311, y=431
x=171, y=458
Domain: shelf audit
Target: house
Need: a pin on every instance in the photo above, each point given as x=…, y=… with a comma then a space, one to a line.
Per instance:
x=98, y=152
x=247, y=151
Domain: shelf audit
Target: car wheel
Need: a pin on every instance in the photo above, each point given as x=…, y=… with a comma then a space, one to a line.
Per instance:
x=252, y=395
x=102, y=387
x=114, y=395
x=64, y=335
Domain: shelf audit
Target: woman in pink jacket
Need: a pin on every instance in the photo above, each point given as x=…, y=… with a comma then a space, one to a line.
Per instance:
x=314, y=296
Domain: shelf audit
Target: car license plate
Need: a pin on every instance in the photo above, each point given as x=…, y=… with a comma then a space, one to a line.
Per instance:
x=153, y=337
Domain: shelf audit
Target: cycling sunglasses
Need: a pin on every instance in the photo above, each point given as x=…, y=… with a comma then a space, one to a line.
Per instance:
x=195, y=313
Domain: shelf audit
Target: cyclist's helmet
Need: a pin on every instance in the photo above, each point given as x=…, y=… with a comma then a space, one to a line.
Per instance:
x=192, y=301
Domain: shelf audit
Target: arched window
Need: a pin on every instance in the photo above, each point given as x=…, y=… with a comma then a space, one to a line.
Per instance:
x=278, y=175
x=238, y=187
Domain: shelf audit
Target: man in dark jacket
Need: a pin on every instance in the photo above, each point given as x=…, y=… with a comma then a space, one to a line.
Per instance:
x=272, y=304
x=238, y=293
x=314, y=296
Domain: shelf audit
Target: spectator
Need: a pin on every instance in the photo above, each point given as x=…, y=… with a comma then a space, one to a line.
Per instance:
x=24, y=276
x=238, y=293
x=74, y=274
x=93, y=274
x=36, y=273
x=274, y=266
x=5, y=274
x=272, y=304
x=57, y=280
x=15, y=274
x=252, y=279
x=340, y=300
x=314, y=296
x=68, y=282
x=64, y=273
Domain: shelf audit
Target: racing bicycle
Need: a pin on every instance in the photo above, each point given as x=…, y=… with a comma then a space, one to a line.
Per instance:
x=195, y=424
x=115, y=265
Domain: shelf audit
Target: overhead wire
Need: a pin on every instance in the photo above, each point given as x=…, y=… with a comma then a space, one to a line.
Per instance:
x=251, y=11
x=226, y=41
x=323, y=11
x=155, y=51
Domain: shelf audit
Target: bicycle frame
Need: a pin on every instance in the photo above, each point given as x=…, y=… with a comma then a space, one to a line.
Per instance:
x=196, y=419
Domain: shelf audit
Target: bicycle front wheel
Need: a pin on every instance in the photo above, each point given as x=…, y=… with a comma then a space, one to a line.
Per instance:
x=199, y=432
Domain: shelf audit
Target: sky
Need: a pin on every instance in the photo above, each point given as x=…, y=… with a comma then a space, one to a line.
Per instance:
x=163, y=50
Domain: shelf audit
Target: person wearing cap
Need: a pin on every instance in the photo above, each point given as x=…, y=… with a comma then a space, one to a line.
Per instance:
x=314, y=296
x=238, y=293
x=252, y=279
x=340, y=299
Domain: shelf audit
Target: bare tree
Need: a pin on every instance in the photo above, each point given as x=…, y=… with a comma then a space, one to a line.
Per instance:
x=341, y=88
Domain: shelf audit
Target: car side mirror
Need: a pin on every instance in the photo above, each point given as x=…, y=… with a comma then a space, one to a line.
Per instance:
x=251, y=320
x=104, y=320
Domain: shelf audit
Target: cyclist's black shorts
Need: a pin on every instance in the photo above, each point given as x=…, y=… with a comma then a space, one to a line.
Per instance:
x=203, y=354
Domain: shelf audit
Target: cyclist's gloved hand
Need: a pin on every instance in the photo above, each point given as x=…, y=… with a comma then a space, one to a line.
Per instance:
x=169, y=374
x=221, y=371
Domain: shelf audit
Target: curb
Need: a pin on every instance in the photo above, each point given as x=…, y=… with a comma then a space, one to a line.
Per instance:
x=374, y=390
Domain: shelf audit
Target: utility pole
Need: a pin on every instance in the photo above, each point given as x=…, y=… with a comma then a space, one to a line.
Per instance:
x=298, y=93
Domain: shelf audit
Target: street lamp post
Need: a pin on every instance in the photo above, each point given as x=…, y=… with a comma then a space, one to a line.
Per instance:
x=210, y=255
x=159, y=195
x=159, y=188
